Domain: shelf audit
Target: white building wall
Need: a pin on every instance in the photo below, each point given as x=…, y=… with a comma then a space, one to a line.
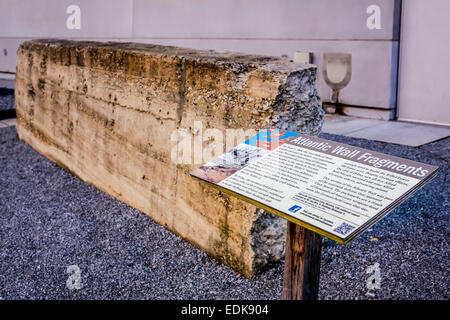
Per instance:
x=250, y=26
x=424, y=86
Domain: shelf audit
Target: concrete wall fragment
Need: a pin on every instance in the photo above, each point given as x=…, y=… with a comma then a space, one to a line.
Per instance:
x=107, y=113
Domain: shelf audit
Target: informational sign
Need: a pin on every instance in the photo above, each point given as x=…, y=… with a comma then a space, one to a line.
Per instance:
x=334, y=189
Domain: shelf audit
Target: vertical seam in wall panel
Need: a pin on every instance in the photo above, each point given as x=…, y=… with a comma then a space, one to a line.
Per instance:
x=133, y=6
x=393, y=79
x=399, y=15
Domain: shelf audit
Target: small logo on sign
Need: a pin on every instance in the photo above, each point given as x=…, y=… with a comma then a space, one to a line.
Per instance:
x=295, y=209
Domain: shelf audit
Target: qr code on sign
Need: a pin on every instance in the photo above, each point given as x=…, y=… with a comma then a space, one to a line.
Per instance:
x=344, y=228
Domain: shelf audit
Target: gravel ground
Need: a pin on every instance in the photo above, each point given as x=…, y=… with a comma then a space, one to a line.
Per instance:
x=50, y=220
x=6, y=99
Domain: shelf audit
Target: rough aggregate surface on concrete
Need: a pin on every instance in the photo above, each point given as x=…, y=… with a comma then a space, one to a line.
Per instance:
x=295, y=108
x=50, y=220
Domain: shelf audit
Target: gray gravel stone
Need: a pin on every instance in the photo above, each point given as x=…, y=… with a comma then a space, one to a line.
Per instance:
x=6, y=99
x=50, y=220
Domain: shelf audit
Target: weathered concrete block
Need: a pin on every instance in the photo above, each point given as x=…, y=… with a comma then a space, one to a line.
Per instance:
x=106, y=112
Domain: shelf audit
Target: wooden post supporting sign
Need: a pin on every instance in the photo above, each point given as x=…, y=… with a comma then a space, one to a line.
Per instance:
x=302, y=263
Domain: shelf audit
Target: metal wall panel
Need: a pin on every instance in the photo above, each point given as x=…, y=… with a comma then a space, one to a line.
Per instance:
x=48, y=18
x=253, y=26
x=424, y=85
x=8, y=54
x=281, y=19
